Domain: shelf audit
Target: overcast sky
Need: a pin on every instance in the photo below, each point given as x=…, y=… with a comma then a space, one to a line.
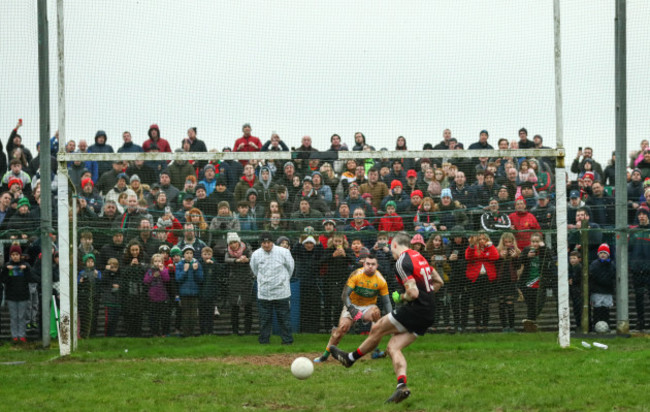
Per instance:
x=408, y=68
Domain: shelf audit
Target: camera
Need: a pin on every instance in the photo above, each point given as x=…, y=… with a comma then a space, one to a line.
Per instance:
x=439, y=257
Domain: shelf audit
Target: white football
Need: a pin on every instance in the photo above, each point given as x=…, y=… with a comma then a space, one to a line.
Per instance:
x=601, y=327
x=302, y=368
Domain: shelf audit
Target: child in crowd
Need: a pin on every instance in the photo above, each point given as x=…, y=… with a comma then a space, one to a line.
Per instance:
x=425, y=216
x=16, y=275
x=246, y=221
x=157, y=278
x=208, y=294
x=417, y=243
x=189, y=277
x=575, y=286
x=88, y=294
x=602, y=282
x=111, y=296
x=391, y=221
x=175, y=258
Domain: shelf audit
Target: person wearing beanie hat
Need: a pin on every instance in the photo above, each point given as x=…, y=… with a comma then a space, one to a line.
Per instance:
x=134, y=178
x=23, y=201
x=482, y=141
x=15, y=181
x=446, y=192
x=211, y=180
x=175, y=251
x=602, y=283
x=239, y=281
x=189, y=277
x=88, y=295
x=16, y=276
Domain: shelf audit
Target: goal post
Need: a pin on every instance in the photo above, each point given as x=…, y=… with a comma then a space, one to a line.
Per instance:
x=464, y=158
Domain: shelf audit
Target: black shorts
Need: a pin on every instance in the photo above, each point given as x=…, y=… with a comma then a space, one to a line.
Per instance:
x=414, y=319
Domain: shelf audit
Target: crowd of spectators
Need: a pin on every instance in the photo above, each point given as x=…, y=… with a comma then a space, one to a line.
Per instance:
x=171, y=243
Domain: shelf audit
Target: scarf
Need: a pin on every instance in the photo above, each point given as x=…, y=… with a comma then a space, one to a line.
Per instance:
x=237, y=254
x=250, y=182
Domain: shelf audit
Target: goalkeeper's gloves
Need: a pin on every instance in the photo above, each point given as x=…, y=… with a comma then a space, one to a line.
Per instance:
x=355, y=313
x=396, y=297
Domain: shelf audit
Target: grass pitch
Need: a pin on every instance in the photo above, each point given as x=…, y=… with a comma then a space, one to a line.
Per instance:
x=446, y=372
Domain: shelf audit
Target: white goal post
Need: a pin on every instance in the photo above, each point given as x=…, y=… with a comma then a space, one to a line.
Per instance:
x=67, y=235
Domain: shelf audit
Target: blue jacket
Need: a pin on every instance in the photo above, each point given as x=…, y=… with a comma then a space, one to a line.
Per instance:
x=189, y=282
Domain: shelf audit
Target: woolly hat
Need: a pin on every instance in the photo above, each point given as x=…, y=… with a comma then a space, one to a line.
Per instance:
x=588, y=175
x=309, y=239
x=418, y=239
x=87, y=180
x=281, y=239
x=176, y=251
x=366, y=196
x=223, y=203
x=123, y=176
x=266, y=237
x=391, y=203
x=200, y=186
x=15, y=181
x=394, y=184
x=209, y=166
x=330, y=221
x=88, y=256
x=163, y=249
x=188, y=247
x=446, y=192
x=232, y=237
x=417, y=193
x=24, y=202
x=643, y=210
x=134, y=178
x=603, y=248
x=15, y=249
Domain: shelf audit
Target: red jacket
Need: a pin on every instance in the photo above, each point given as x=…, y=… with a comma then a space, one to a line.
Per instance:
x=523, y=221
x=163, y=145
x=247, y=147
x=391, y=223
x=476, y=258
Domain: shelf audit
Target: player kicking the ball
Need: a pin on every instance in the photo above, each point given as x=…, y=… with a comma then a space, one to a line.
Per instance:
x=409, y=320
x=360, y=301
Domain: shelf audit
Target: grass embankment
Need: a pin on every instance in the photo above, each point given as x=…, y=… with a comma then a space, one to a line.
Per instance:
x=467, y=372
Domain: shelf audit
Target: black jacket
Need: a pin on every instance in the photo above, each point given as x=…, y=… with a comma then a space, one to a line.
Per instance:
x=602, y=277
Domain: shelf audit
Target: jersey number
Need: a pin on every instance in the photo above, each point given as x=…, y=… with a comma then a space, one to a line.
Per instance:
x=426, y=275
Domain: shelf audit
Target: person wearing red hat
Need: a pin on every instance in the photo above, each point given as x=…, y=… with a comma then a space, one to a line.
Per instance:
x=397, y=195
x=523, y=222
x=416, y=202
x=411, y=181
x=16, y=276
x=156, y=140
x=602, y=283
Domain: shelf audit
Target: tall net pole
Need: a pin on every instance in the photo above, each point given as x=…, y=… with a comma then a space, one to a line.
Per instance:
x=67, y=324
x=622, y=294
x=45, y=167
x=561, y=202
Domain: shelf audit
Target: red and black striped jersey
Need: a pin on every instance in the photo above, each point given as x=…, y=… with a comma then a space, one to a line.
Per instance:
x=412, y=265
